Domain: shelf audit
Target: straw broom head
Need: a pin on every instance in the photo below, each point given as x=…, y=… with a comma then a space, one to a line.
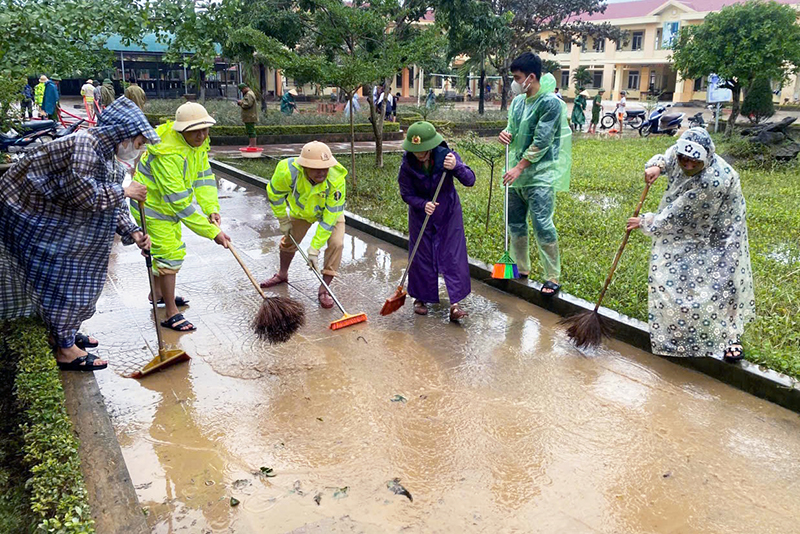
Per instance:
x=278, y=318
x=587, y=329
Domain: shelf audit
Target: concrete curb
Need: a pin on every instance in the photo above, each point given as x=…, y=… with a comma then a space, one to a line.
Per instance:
x=756, y=380
x=112, y=497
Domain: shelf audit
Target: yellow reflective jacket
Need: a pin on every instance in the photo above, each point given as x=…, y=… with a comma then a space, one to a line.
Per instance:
x=38, y=94
x=323, y=203
x=176, y=173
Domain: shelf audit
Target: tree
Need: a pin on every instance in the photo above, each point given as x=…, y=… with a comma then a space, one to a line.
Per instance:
x=491, y=153
x=740, y=43
x=758, y=104
x=581, y=77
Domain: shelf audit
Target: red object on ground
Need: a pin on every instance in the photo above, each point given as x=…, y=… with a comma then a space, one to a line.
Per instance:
x=251, y=151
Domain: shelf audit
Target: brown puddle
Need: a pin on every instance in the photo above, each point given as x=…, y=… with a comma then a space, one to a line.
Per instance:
x=495, y=426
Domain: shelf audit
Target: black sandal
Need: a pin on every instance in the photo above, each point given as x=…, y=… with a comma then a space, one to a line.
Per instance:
x=82, y=342
x=552, y=286
x=172, y=323
x=734, y=353
x=82, y=363
x=179, y=301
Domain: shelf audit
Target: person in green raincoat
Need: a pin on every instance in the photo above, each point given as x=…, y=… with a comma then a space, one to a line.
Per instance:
x=579, y=110
x=540, y=159
x=597, y=109
x=288, y=104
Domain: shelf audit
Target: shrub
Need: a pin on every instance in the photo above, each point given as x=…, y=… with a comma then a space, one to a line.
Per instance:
x=301, y=129
x=757, y=104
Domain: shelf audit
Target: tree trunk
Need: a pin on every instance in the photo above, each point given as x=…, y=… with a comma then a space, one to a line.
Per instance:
x=737, y=93
x=489, y=204
x=481, y=90
x=376, y=118
x=352, y=140
x=504, y=94
x=262, y=82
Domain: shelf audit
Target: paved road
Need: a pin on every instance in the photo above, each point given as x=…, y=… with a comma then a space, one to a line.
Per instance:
x=495, y=426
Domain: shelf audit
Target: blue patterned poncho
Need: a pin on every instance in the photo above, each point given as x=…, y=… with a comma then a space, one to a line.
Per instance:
x=701, y=283
x=60, y=207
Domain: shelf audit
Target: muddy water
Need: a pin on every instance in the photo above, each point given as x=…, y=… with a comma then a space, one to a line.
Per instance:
x=495, y=426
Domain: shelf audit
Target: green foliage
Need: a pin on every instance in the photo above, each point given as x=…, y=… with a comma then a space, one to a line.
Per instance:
x=740, y=43
x=548, y=65
x=55, y=487
x=10, y=87
x=581, y=77
x=757, y=104
x=606, y=185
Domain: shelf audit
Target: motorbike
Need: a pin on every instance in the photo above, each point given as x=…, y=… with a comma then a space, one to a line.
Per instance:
x=661, y=122
x=697, y=121
x=633, y=118
x=33, y=134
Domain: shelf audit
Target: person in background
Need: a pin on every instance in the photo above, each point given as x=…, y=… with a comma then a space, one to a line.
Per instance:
x=394, y=106
x=136, y=94
x=52, y=97
x=443, y=246
x=98, y=97
x=61, y=205
x=356, y=106
x=177, y=173
x=87, y=92
x=558, y=94
x=288, y=105
x=597, y=110
x=38, y=91
x=304, y=190
x=540, y=152
x=26, y=102
x=107, y=93
x=430, y=102
x=389, y=106
x=579, y=110
x=620, y=110
x=249, y=112
x=701, y=282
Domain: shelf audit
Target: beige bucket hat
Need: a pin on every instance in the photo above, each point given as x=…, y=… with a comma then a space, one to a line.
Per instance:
x=192, y=116
x=42, y=78
x=316, y=155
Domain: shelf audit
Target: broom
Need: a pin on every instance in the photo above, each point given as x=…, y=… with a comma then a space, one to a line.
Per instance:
x=396, y=301
x=165, y=357
x=505, y=268
x=347, y=319
x=278, y=317
x=587, y=329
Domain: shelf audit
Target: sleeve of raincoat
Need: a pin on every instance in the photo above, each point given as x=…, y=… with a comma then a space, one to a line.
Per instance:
x=168, y=171
x=405, y=179
x=545, y=130
x=512, y=127
x=279, y=188
x=666, y=161
x=205, y=189
x=334, y=208
x=126, y=226
x=78, y=188
x=463, y=173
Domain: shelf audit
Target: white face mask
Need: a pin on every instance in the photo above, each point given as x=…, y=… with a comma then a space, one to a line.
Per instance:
x=518, y=88
x=126, y=151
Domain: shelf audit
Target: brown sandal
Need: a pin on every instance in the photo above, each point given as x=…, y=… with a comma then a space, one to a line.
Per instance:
x=325, y=299
x=274, y=281
x=420, y=308
x=456, y=313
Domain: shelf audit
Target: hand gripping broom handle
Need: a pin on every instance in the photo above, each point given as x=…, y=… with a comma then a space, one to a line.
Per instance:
x=421, y=231
x=149, y=259
x=621, y=248
x=505, y=205
x=246, y=270
x=319, y=276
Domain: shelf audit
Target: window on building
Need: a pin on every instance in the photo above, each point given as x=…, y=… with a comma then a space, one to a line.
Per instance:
x=399, y=80
x=568, y=46
x=637, y=41
x=669, y=33
x=565, y=78
x=633, y=79
x=597, y=79
x=599, y=45
x=652, y=86
x=658, y=39
x=700, y=84
x=412, y=73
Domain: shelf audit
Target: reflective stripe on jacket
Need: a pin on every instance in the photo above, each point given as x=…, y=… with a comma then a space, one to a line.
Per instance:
x=176, y=174
x=323, y=203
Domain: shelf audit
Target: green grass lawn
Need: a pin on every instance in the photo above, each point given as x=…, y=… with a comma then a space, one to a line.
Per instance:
x=607, y=181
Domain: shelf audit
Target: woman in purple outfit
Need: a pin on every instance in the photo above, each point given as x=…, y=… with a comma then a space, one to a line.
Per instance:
x=443, y=246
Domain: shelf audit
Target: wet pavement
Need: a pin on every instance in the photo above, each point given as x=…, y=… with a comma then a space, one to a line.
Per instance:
x=497, y=425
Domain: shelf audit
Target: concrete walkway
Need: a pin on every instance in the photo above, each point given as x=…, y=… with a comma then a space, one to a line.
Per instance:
x=497, y=425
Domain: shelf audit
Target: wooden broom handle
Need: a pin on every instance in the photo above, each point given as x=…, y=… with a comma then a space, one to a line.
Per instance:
x=246, y=270
x=621, y=248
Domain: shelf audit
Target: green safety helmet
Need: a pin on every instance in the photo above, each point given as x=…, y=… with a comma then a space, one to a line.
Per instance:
x=421, y=137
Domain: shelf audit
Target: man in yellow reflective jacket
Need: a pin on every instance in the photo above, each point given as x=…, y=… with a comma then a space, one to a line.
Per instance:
x=176, y=172
x=313, y=187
